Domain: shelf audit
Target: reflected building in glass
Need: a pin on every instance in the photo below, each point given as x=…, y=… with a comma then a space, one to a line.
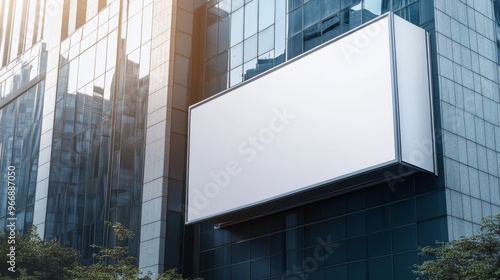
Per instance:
x=94, y=99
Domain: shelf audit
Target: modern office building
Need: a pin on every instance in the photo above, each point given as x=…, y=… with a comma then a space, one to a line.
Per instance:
x=253, y=139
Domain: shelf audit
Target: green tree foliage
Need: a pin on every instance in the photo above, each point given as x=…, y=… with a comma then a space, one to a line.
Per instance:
x=112, y=263
x=38, y=259
x=173, y=274
x=474, y=257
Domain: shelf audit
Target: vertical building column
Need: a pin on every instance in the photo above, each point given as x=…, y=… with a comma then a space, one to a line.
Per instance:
x=53, y=18
x=164, y=169
x=468, y=103
x=154, y=195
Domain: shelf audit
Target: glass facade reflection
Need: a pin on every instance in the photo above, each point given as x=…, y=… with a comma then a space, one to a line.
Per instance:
x=22, y=26
x=245, y=38
x=496, y=9
x=98, y=141
x=373, y=233
x=20, y=130
x=27, y=68
x=94, y=98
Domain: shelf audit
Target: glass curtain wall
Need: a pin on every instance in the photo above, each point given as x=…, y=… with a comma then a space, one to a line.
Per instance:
x=23, y=63
x=98, y=143
x=244, y=38
x=28, y=67
x=373, y=233
x=20, y=130
x=496, y=9
x=21, y=26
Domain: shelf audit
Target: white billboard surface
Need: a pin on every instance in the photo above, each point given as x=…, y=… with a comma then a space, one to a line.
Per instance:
x=326, y=116
x=413, y=87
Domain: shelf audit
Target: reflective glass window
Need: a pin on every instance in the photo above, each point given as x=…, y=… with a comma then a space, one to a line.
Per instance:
x=145, y=60
x=380, y=268
x=312, y=233
x=335, y=228
x=312, y=36
x=397, y=4
x=225, y=6
x=294, y=239
x=146, y=23
x=279, y=38
x=356, y=224
x=404, y=238
x=403, y=212
x=266, y=13
x=356, y=249
x=224, y=34
x=330, y=7
x=430, y=231
x=222, y=64
x=276, y=266
x=20, y=132
x=210, y=76
x=39, y=21
x=375, y=7
x=111, y=51
x=259, y=248
x=30, y=25
x=293, y=258
x=312, y=12
x=16, y=29
x=212, y=39
x=260, y=269
x=236, y=55
x=379, y=244
x=221, y=257
x=236, y=4
x=250, y=48
x=403, y=265
x=86, y=67
x=347, y=3
x=206, y=260
x=250, y=69
x=73, y=76
x=292, y=4
x=294, y=21
x=266, y=40
x=236, y=76
x=355, y=201
x=331, y=27
x=266, y=61
x=3, y=22
x=496, y=9
x=280, y=8
x=378, y=219
x=240, y=271
x=134, y=27
x=240, y=252
x=237, y=26
x=251, y=16
x=351, y=18
x=336, y=272
x=88, y=40
x=100, y=58
x=294, y=46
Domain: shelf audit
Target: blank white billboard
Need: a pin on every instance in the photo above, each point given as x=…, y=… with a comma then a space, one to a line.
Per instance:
x=413, y=88
x=329, y=115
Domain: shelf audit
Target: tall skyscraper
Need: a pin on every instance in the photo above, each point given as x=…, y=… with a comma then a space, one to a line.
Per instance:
x=253, y=139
